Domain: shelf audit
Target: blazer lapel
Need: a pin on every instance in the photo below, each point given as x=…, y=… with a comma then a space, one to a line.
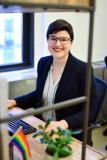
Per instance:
x=43, y=76
x=68, y=71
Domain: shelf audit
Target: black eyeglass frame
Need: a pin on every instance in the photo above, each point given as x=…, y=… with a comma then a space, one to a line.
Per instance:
x=61, y=39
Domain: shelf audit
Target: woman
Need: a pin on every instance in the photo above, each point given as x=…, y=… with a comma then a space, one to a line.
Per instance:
x=61, y=77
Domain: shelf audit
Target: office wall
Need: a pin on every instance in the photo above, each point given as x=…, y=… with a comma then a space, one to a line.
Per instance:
x=100, y=31
x=80, y=22
x=20, y=87
x=79, y=46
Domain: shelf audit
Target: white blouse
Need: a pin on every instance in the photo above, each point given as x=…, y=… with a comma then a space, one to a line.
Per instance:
x=49, y=95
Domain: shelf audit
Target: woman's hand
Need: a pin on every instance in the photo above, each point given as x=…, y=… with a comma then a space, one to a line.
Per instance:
x=11, y=103
x=55, y=124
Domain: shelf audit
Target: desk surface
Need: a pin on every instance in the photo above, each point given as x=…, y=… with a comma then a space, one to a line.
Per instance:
x=37, y=149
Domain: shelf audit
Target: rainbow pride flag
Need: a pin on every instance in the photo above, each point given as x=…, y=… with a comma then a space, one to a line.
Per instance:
x=19, y=140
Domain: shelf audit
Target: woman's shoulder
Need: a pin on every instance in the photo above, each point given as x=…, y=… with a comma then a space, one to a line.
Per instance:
x=78, y=63
x=45, y=58
x=43, y=61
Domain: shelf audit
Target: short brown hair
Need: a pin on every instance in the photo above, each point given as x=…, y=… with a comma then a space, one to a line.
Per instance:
x=60, y=25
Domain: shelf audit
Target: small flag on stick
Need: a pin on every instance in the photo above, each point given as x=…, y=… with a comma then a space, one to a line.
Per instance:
x=20, y=141
x=10, y=152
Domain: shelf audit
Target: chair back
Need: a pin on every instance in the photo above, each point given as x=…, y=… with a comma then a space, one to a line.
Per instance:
x=101, y=89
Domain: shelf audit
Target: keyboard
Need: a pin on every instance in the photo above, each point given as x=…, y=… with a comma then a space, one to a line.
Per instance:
x=15, y=124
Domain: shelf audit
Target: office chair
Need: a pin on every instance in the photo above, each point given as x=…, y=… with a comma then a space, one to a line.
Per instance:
x=101, y=90
x=105, y=60
x=105, y=131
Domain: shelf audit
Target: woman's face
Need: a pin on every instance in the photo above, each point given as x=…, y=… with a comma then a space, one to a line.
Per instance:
x=59, y=44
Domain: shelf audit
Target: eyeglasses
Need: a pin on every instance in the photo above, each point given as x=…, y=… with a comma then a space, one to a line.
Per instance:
x=63, y=40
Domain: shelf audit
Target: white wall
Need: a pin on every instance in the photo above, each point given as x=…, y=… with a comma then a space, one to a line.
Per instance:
x=80, y=23
x=100, y=31
x=77, y=19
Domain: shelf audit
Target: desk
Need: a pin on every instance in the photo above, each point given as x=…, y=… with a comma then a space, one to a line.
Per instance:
x=37, y=149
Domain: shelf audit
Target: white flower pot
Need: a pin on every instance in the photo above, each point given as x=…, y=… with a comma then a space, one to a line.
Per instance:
x=49, y=157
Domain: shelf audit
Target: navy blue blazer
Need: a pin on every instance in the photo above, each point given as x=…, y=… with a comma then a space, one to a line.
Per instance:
x=71, y=85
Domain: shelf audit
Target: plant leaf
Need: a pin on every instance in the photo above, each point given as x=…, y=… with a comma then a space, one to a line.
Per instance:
x=65, y=151
x=56, y=155
x=47, y=123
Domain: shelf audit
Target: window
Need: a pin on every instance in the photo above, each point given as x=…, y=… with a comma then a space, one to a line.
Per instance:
x=16, y=41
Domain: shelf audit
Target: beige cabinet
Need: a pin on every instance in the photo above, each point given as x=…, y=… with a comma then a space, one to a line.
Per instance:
x=57, y=2
x=70, y=2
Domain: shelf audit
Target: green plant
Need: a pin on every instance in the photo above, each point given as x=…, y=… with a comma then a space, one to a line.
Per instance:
x=57, y=141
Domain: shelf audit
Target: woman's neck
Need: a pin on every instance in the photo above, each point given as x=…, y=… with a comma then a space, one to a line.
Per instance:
x=59, y=62
x=58, y=67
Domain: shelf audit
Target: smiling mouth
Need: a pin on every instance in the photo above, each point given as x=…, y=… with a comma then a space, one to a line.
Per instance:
x=57, y=49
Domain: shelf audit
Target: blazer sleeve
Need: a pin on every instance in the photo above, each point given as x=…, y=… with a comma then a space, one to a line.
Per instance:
x=76, y=120
x=31, y=99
